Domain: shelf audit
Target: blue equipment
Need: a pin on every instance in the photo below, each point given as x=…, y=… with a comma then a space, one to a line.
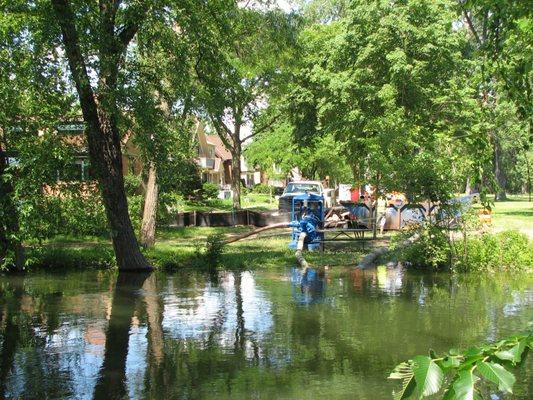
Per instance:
x=307, y=215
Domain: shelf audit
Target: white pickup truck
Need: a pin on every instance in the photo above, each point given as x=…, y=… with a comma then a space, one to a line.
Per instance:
x=297, y=188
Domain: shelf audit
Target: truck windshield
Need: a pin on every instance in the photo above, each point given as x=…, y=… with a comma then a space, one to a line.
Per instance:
x=302, y=187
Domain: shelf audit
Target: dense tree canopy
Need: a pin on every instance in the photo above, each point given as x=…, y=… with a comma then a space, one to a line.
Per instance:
x=402, y=88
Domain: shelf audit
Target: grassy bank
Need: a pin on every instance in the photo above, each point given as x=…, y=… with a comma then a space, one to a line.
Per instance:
x=515, y=213
x=183, y=248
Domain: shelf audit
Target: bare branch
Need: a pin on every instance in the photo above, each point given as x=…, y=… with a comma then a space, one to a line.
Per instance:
x=223, y=131
x=471, y=27
x=262, y=129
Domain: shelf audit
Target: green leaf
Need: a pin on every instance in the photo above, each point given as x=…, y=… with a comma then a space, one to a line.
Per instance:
x=497, y=374
x=450, y=362
x=449, y=394
x=404, y=371
x=428, y=375
x=505, y=355
x=517, y=350
x=473, y=351
x=464, y=386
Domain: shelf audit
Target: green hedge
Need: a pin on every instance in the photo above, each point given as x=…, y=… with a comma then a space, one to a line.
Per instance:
x=503, y=251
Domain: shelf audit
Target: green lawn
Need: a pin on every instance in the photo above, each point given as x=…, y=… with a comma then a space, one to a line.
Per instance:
x=516, y=213
x=180, y=247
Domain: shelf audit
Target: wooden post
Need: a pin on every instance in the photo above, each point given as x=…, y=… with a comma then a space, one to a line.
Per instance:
x=374, y=219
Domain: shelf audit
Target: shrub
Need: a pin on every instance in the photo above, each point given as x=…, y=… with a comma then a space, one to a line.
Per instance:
x=73, y=213
x=430, y=250
x=168, y=205
x=503, y=251
x=181, y=177
x=65, y=257
x=210, y=190
x=261, y=189
x=213, y=249
x=132, y=184
x=83, y=215
x=135, y=208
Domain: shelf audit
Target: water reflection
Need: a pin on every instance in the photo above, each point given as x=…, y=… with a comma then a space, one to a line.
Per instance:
x=242, y=334
x=111, y=382
x=308, y=285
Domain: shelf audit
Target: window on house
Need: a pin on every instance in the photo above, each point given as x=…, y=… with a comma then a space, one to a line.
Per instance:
x=78, y=171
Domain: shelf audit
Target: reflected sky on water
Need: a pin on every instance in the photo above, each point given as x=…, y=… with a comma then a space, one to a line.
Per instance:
x=285, y=334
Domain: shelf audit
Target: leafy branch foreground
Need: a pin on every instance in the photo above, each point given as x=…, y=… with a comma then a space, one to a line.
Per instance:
x=458, y=375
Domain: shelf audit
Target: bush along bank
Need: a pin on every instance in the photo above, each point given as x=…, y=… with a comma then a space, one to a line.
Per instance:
x=440, y=249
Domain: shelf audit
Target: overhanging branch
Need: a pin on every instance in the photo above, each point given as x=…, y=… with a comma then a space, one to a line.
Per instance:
x=261, y=129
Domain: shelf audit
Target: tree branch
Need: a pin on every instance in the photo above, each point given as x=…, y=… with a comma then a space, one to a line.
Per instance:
x=222, y=131
x=471, y=27
x=65, y=17
x=134, y=18
x=262, y=129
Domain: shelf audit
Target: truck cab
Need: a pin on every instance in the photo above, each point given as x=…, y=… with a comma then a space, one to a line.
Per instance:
x=297, y=188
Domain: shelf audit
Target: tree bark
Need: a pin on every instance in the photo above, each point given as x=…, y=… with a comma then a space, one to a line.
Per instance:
x=236, y=175
x=468, y=188
x=100, y=115
x=150, y=209
x=499, y=174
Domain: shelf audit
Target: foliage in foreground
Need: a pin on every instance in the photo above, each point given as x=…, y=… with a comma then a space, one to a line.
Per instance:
x=460, y=375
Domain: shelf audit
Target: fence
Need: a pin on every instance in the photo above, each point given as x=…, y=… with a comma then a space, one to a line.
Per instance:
x=241, y=217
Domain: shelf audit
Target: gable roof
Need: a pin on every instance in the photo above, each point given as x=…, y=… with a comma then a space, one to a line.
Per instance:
x=220, y=149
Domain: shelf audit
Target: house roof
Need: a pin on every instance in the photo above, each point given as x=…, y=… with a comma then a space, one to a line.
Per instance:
x=220, y=149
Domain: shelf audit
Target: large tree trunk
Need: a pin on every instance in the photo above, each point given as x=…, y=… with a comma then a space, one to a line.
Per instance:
x=236, y=175
x=499, y=174
x=9, y=222
x=102, y=132
x=104, y=149
x=150, y=209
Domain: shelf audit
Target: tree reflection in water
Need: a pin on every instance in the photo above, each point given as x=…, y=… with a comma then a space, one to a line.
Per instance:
x=111, y=382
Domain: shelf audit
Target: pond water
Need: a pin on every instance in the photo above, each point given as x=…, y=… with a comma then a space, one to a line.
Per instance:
x=243, y=335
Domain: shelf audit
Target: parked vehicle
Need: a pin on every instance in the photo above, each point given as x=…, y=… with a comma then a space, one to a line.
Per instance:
x=298, y=188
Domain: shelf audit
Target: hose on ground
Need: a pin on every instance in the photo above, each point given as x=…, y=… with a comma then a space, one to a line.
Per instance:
x=299, y=251
x=256, y=231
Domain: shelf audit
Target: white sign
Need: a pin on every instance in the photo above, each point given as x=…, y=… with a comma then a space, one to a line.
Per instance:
x=345, y=192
